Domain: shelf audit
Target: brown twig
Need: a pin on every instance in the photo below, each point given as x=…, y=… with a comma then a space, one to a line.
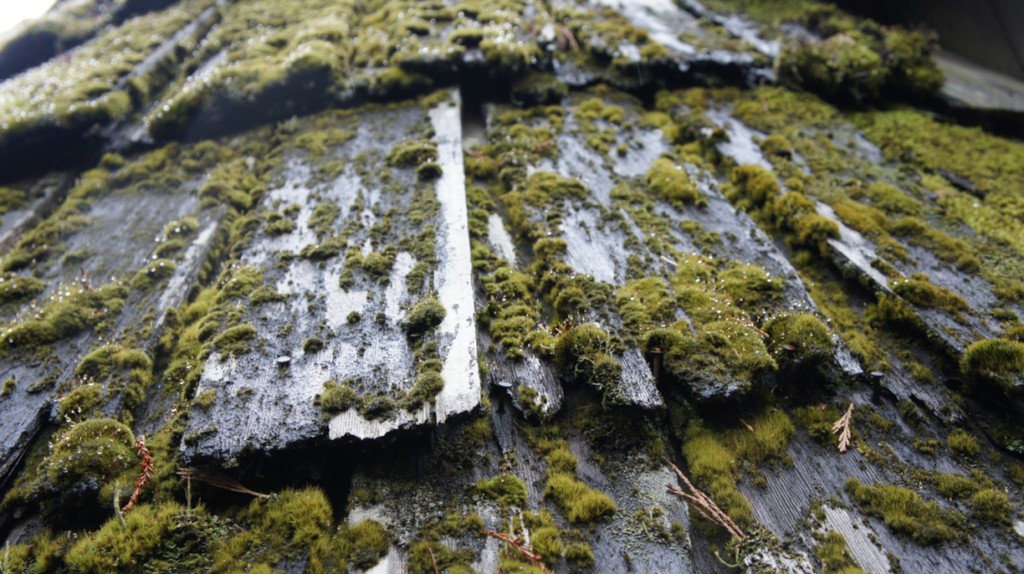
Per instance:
x=842, y=426
x=146, y=462
x=517, y=543
x=433, y=560
x=703, y=504
x=219, y=481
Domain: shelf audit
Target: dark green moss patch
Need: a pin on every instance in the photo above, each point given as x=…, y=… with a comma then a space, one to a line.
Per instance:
x=424, y=316
x=17, y=288
x=994, y=363
x=412, y=154
x=670, y=182
x=904, y=512
x=506, y=490
x=235, y=340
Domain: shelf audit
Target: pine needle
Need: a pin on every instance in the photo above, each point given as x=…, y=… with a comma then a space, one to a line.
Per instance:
x=703, y=504
x=219, y=481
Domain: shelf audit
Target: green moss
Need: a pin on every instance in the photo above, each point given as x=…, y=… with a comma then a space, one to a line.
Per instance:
x=278, y=224
x=768, y=441
x=927, y=446
x=325, y=249
x=75, y=311
x=287, y=524
x=263, y=294
x=239, y=282
x=834, y=556
x=994, y=363
x=722, y=352
x=323, y=217
x=312, y=345
x=581, y=504
x=713, y=469
x=338, y=397
x=891, y=199
x=235, y=340
x=84, y=464
x=427, y=314
x=776, y=145
x=749, y=286
x=412, y=153
x=799, y=339
x=8, y=387
x=152, y=273
x=954, y=486
x=585, y=352
x=16, y=288
x=369, y=542
x=377, y=407
x=507, y=490
x=904, y=512
x=129, y=546
x=670, y=182
x=752, y=186
x=962, y=444
x=991, y=506
x=125, y=371
x=918, y=290
x=428, y=384
x=11, y=198
x=205, y=399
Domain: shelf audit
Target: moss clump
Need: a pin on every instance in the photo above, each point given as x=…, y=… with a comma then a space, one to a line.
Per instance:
x=714, y=469
x=752, y=186
x=264, y=294
x=369, y=542
x=670, y=182
x=507, y=490
x=235, y=340
x=904, y=512
x=796, y=214
x=17, y=288
x=424, y=316
x=66, y=316
x=288, y=524
x=581, y=504
x=645, y=304
x=776, y=145
x=8, y=387
x=991, y=506
x=918, y=290
x=412, y=153
x=338, y=397
x=84, y=464
x=124, y=370
x=994, y=364
x=126, y=547
x=962, y=444
x=834, y=556
x=722, y=359
x=153, y=272
x=585, y=351
x=857, y=65
x=312, y=345
x=749, y=286
x=799, y=339
x=428, y=384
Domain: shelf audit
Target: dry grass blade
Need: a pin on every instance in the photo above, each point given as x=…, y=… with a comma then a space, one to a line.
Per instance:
x=703, y=504
x=842, y=426
x=219, y=481
x=517, y=544
x=146, y=462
